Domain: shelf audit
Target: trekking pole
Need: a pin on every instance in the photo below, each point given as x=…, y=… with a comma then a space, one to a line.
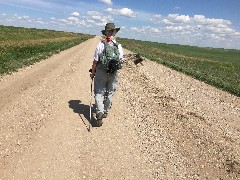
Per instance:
x=90, y=115
x=91, y=101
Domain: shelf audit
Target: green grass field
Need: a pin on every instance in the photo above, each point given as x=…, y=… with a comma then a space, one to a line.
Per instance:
x=217, y=67
x=22, y=46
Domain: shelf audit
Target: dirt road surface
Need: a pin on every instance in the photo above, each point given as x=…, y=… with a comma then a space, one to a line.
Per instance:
x=162, y=125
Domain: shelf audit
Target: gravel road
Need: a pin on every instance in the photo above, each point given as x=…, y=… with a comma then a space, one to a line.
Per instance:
x=162, y=125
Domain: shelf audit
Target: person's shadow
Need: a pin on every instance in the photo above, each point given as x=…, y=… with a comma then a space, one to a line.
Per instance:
x=83, y=110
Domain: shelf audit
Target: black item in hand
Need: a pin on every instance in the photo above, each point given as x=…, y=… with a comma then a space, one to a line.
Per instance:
x=90, y=70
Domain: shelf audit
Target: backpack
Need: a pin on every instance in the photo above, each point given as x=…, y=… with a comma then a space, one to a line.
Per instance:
x=109, y=59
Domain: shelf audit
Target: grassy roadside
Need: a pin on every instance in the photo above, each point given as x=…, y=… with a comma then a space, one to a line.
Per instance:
x=217, y=67
x=22, y=46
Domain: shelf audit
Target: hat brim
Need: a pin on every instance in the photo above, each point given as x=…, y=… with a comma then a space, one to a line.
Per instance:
x=105, y=31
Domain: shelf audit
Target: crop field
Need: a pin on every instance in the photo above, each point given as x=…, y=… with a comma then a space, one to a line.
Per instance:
x=22, y=46
x=217, y=67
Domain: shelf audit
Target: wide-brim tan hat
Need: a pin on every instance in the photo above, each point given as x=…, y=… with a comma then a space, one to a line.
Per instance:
x=110, y=27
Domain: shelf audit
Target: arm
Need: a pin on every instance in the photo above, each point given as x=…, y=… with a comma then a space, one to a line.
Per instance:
x=97, y=53
x=120, y=56
x=94, y=64
x=120, y=52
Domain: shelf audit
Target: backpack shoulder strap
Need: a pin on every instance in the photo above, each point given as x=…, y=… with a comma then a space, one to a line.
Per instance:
x=115, y=44
x=105, y=43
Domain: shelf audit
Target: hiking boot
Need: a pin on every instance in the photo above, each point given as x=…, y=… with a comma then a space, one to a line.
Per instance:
x=105, y=115
x=99, y=117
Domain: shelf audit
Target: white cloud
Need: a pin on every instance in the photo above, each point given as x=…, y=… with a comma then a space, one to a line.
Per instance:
x=176, y=22
x=91, y=21
x=237, y=34
x=178, y=28
x=216, y=22
x=172, y=28
x=146, y=29
x=99, y=18
x=199, y=19
x=23, y=17
x=40, y=22
x=215, y=37
x=124, y=12
x=108, y=2
x=183, y=29
x=96, y=17
x=155, y=30
x=93, y=13
x=167, y=22
x=219, y=30
x=135, y=29
x=73, y=19
x=101, y=24
x=75, y=14
x=176, y=18
x=63, y=20
x=156, y=19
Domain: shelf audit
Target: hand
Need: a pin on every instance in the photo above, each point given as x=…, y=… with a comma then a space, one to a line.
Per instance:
x=92, y=75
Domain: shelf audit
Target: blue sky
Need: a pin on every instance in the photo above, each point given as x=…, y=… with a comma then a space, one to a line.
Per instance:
x=207, y=23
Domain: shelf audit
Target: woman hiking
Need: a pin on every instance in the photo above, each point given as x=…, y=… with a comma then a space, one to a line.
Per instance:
x=106, y=63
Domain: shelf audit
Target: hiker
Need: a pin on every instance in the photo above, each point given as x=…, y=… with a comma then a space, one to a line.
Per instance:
x=107, y=61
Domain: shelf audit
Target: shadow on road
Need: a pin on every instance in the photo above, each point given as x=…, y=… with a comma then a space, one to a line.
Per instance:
x=83, y=110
